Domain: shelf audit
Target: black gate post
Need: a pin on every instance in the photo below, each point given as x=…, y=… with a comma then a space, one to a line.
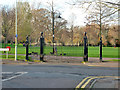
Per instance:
x=85, y=48
x=27, y=48
x=100, y=49
x=41, y=47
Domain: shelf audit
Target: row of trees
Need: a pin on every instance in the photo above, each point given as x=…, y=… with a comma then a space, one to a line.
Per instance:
x=32, y=21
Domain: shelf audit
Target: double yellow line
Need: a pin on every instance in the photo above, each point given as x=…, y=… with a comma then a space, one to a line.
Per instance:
x=86, y=81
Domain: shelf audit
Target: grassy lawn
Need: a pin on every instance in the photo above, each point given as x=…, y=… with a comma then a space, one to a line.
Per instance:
x=114, y=60
x=13, y=57
x=109, y=52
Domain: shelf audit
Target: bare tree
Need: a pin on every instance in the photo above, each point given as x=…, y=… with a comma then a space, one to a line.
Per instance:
x=40, y=22
x=0, y=27
x=57, y=22
x=24, y=20
x=72, y=22
x=99, y=12
x=7, y=22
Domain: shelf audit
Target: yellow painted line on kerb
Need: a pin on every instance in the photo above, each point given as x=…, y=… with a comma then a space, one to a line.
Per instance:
x=89, y=79
x=108, y=76
x=83, y=86
x=101, y=66
x=78, y=86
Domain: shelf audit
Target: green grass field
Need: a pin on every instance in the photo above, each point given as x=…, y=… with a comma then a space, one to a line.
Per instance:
x=13, y=57
x=109, y=52
x=114, y=60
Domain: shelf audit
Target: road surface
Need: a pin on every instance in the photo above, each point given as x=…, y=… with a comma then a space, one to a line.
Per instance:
x=58, y=76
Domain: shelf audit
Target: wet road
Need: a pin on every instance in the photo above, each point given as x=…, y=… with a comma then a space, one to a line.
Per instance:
x=51, y=76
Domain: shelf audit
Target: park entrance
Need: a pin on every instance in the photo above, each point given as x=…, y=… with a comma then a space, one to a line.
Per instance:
x=61, y=51
x=64, y=51
x=58, y=52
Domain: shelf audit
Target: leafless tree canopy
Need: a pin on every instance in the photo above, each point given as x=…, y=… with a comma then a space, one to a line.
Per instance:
x=101, y=21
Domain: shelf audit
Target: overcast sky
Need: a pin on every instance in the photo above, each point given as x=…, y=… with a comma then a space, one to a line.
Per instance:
x=67, y=11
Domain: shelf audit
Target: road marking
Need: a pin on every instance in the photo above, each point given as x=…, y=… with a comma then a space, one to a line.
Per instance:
x=92, y=83
x=7, y=72
x=83, y=86
x=21, y=73
x=78, y=86
x=108, y=76
x=101, y=66
x=89, y=79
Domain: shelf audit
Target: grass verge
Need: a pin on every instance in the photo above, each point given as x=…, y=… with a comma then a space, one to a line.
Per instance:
x=19, y=58
x=114, y=60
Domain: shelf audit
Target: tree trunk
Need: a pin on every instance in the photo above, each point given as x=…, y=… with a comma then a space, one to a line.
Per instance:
x=5, y=42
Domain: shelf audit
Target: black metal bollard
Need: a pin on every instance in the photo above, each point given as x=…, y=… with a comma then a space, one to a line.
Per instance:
x=53, y=45
x=27, y=48
x=41, y=47
x=100, y=49
x=85, y=48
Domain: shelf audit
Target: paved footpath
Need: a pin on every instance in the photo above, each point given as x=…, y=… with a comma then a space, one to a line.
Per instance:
x=92, y=62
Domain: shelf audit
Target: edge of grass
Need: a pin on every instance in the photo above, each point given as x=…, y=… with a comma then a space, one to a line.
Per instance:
x=20, y=58
x=114, y=60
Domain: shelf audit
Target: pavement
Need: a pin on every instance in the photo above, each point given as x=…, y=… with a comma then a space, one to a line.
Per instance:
x=107, y=82
x=72, y=61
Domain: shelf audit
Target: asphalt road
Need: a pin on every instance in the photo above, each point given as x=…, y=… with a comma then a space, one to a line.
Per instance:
x=53, y=76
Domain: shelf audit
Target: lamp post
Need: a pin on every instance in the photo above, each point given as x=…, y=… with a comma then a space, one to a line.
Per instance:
x=16, y=34
x=100, y=46
x=53, y=18
x=53, y=26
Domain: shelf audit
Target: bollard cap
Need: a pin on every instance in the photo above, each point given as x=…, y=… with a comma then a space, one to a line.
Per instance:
x=85, y=33
x=41, y=33
x=27, y=36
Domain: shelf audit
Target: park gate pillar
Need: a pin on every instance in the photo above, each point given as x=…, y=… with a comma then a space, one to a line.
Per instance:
x=100, y=49
x=85, y=48
x=41, y=47
x=27, y=47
